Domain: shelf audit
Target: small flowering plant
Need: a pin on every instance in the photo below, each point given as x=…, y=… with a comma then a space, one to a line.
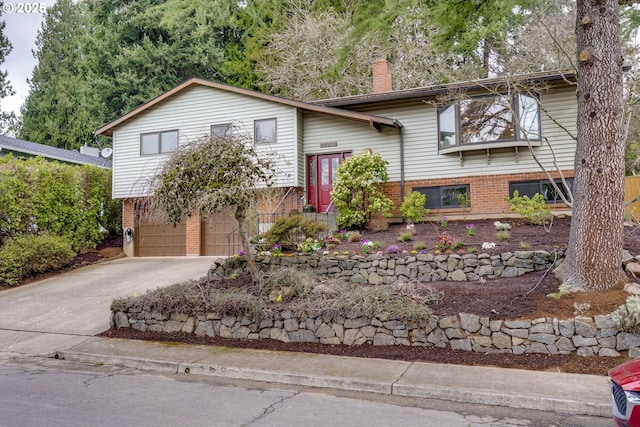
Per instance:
x=471, y=229
x=393, y=249
x=444, y=222
x=277, y=249
x=501, y=226
x=310, y=246
x=241, y=253
x=445, y=242
x=488, y=245
x=367, y=245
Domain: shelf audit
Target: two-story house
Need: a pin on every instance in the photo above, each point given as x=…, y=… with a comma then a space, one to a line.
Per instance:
x=469, y=142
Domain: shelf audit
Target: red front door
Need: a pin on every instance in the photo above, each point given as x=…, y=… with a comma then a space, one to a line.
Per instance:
x=321, y=172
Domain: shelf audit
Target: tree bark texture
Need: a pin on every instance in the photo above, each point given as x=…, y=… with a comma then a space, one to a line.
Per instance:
x=241, y=219
x=594, y=255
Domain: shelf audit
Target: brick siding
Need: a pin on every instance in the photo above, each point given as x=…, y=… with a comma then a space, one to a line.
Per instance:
x=488, y=193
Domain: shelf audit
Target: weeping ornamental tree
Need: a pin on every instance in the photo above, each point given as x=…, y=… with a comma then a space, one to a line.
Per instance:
x=208, y=176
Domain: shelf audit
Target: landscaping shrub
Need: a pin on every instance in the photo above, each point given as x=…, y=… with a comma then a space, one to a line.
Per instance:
x=354, y=236
x=24, y=256
x=503, y=235
x=305, y=293
x=38, y=197
x=627, y=316
x=404, y=236
x=534, y=209
x=357, y=191
x=293, y=230
x=413, y=207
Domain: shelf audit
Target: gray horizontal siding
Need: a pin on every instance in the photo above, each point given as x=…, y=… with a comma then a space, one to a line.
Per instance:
x=192, y=112
x=422, y=160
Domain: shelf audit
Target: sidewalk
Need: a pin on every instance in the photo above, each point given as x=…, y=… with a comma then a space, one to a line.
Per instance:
x=515, y=388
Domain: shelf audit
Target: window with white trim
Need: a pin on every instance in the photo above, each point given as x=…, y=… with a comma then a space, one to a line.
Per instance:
x=158, y=142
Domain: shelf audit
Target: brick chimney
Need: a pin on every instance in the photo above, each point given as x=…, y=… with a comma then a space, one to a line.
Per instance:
x=381, y=76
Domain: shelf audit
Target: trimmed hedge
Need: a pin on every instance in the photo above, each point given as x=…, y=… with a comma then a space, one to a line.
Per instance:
x=38, y=196
x=24, y=256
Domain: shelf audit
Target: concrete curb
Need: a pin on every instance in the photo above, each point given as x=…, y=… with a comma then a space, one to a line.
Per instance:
x=514, y=388
x=128, y=362
x=496, y=398
x=350, y=384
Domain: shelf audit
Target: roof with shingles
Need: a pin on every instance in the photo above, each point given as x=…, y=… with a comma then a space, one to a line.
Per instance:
x=373, y=120
x=53, y=153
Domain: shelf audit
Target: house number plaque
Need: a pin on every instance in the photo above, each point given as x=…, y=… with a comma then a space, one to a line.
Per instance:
x=328, y=144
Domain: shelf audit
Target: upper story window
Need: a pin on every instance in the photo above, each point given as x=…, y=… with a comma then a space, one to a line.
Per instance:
x=221, y=130
x=158, y=142
x=487, y=119
x=265, y=131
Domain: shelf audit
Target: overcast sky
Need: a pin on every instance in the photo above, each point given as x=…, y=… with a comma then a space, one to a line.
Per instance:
x=21, y=30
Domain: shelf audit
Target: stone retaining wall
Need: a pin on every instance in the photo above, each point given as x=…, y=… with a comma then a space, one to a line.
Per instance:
x=379, y=268
x=584, y=336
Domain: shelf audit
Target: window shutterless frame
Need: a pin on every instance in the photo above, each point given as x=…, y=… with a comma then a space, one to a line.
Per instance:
x=514, y=120
x=444, y=196
x=153, y=143
x=265, y=131
x=221, y=130
x=544, y=187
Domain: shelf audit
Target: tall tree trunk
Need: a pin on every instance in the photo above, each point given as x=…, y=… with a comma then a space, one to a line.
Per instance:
x=594, y=255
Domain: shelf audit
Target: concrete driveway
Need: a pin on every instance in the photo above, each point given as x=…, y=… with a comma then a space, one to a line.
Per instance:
x=53, y=314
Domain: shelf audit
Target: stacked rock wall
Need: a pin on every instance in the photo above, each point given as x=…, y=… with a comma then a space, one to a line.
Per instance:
x=585, y=336
x=378, y=268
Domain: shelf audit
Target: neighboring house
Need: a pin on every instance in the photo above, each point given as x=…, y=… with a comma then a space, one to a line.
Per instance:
x=23, y=149
x=467, y=138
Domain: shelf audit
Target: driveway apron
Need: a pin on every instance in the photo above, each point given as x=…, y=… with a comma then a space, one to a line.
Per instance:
x=45, y=316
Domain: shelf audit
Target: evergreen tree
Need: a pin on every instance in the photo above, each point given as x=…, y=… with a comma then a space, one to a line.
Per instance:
x=140, y=49
x=61, y=109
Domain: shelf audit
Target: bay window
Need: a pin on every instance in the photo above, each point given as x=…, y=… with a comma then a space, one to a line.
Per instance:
x=489, y=119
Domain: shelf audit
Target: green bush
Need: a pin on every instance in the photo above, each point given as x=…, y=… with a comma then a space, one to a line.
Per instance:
x=413, y=207
x=357, y=191
x=627, y=316
x=37, y=196
x=534, y=209
x=293, y=230
x=24, y=256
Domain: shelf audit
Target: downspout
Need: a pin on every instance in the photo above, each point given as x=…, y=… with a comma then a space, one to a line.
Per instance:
x=401, y=135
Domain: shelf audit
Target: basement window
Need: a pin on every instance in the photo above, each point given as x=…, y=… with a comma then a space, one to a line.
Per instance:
x=445, y=196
